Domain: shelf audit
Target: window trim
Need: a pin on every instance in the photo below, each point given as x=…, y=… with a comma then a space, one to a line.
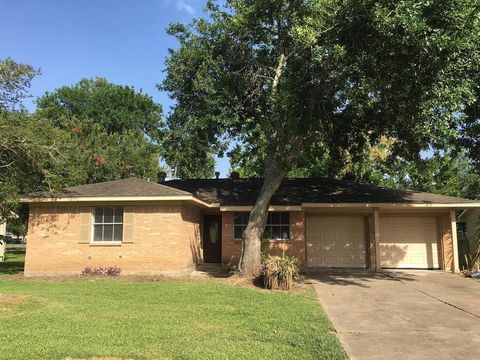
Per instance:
x=233, y=227
x=268, y=240
x=92, y=233
x=280, y=225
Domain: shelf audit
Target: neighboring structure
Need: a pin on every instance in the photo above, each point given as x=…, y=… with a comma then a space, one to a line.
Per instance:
x=3, y=234
x=147, y=228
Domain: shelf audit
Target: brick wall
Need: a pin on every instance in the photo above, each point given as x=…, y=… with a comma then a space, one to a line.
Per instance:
x=231, y=249
x=166, y=238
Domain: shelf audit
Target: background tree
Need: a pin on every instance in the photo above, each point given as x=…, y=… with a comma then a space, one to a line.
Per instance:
x=448, y=172
x=15, y=80
x=116, y=128
x=470, y=138
x=34, y=156
x=285, y=78
x=115, y=108
x=32, y=151
x=187, y=153
x=90, y=132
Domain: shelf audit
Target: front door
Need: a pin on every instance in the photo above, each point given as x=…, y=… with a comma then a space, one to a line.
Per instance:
x=212, y=238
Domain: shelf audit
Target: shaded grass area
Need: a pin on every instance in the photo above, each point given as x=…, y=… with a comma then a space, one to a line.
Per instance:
x=159, y=319
x=13, y=263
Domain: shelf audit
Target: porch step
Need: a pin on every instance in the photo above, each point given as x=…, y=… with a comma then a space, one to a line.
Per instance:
x=211, y=270
x=209, y=267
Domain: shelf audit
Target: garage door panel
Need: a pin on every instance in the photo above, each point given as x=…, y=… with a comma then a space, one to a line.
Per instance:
x=409, y=242
x=346, y=261
x=336, y=241
x=360, y=261
x=329, y=260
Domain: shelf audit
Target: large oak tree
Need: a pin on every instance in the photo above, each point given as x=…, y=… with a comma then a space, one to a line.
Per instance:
x=34, y=154
x=117, y=129
x=89, y=132
x=284, y=78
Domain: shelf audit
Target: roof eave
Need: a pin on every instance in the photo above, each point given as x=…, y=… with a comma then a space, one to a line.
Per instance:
x=195, y=200
x=108, y=199
x=241, y=208
x=393, y=205
x=354, y=205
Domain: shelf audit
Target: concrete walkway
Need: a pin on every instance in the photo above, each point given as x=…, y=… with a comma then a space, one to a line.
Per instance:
x=403, y=314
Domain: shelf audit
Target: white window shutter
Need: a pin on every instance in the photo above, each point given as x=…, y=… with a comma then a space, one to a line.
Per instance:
x=85, y=225
x=128, y=224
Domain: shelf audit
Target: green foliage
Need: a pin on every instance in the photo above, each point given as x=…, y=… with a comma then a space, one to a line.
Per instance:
x=114, y=108
x=15, y=81
x=33, y=152
x=448, y=173
x=93, y=131
x=293, y=81
x=34, y=155
x=103, y=156
x=115, y=128
x=18, y=225
x=39, y=156
x=178, y=319
x=187, y=153
x=287, y=78
x=279, y=272
x=472, y=259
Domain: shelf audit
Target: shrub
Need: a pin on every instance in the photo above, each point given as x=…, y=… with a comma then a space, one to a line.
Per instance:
x=473, y=259
x=100, y=271
x=279, y=272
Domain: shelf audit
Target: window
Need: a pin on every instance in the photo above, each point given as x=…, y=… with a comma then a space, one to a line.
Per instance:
x=107, y=224
x=277, y=228
x=239, y=224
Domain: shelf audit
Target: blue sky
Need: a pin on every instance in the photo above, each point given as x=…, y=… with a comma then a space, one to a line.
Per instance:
x=121, y=40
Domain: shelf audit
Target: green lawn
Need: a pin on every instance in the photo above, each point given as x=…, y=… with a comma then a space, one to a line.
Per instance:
x=158, y=319
x=13, y=264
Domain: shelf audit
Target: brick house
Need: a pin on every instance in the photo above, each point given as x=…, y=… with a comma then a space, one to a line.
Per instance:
x=169, y=227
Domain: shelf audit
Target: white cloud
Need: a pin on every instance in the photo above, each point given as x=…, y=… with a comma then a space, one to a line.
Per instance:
x=182, y=5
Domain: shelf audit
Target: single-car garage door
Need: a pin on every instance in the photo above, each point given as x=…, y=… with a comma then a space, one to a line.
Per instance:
x=336, y=241
x=409, y=242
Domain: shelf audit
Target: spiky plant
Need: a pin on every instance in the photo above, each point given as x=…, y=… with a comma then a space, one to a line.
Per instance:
x=279, y=272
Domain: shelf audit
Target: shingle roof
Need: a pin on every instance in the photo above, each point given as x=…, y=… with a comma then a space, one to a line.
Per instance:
x=244, y=192
x=123, y=187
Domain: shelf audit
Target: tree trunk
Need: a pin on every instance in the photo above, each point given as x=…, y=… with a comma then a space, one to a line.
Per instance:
x=250, y=260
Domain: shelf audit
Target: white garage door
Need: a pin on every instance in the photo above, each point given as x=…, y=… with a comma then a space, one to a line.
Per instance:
x=409, y=242
x=336, y=241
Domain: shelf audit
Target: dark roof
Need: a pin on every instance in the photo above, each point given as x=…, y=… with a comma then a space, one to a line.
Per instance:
x=227, y=192
x=123, y=187
x=240, y=192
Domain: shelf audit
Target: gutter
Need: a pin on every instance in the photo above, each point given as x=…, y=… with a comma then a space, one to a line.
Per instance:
x=191, y=198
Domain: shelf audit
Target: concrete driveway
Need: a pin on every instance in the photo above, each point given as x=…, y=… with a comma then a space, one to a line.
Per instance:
x=403, y=314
